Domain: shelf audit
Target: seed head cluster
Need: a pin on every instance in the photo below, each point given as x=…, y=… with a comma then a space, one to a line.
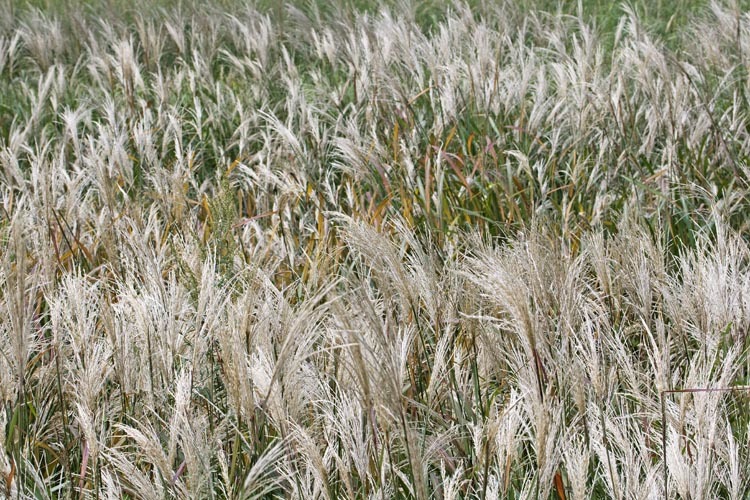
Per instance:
x=400, y=250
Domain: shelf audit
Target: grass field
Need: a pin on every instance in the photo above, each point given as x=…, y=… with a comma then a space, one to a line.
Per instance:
x=374, y=250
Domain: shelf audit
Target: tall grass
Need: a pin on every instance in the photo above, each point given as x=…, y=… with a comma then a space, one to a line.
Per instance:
x=328, y=251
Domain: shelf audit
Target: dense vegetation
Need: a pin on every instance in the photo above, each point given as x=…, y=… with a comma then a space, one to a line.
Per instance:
x=374, y=250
